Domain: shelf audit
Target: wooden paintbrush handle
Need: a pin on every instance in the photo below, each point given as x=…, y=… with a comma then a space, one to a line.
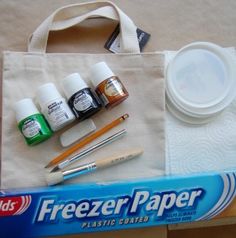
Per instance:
x=118, y=158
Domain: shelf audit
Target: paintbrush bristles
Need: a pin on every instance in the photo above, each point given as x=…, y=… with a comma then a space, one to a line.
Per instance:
x=54, y=178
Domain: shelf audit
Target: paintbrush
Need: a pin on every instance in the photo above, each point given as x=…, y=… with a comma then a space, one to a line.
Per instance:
x=60, y=176
x=91, y=149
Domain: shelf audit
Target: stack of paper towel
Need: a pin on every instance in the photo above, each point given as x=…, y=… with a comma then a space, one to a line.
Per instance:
x=201, y=148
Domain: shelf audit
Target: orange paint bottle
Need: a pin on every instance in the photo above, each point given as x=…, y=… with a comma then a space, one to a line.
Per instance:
x=107, y=85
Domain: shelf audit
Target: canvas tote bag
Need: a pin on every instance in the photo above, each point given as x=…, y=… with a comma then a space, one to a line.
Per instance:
x=142, y=75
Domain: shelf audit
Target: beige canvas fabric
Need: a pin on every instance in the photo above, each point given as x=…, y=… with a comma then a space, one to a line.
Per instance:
x=142, y=74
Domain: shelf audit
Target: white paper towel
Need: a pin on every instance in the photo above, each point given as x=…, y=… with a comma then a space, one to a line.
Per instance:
x=201, y=148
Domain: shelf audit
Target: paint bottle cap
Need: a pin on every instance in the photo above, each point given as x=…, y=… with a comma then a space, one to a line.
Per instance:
x=46, y=93
x=200, y=82
x=100, y=72
x=25, y=108
x=72, y=84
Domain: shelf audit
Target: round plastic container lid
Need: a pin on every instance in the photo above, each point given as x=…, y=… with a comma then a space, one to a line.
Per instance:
x=201, y=79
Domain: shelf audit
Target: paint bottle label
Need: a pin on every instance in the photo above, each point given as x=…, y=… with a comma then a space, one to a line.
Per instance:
x=112, y=92
x=31, y=128
x=35, y=129
x=113, y=88
x=58, y=114
x=82, y=101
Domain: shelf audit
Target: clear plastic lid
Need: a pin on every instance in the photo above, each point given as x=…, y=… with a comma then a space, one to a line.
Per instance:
x=201, y=80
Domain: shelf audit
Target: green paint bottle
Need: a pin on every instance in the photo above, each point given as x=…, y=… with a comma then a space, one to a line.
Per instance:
x=31, y=123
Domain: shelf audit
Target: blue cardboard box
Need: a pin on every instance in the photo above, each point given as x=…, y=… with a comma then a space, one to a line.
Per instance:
x=97, y=207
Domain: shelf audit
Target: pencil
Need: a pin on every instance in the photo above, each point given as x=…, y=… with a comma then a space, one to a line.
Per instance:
x=86, y=141
x=89, y=150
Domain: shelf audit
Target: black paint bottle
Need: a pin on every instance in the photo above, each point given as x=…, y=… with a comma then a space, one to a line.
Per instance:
x=81, y=99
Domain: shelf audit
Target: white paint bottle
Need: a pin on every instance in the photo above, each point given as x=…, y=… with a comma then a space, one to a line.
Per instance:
x=54, y=107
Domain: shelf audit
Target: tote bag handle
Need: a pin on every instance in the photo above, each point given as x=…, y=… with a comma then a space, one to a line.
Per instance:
x=71, y=15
